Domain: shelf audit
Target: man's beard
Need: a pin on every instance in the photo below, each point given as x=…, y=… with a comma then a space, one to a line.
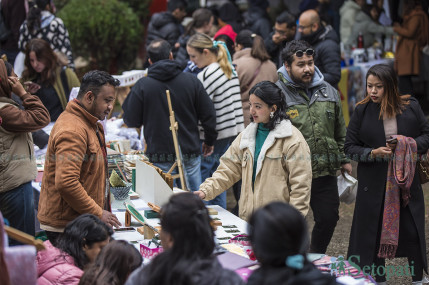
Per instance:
x=298, y=80
x=310, y=38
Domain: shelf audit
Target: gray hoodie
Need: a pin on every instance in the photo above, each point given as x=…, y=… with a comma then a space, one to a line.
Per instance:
x=318, y=80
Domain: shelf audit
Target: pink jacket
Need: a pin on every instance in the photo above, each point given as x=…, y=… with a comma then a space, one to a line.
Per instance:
x=56, y=267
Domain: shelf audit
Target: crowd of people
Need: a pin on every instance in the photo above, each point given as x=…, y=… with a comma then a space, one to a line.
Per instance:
x=258, y=110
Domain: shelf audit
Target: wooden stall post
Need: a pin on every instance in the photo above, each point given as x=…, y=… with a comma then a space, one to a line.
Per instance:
x=174, y=126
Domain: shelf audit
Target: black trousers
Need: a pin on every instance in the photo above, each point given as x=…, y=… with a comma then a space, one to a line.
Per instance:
x=324, y=203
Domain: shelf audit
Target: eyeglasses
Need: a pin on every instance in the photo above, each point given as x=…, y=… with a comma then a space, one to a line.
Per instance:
x=308, y=52
x=279, y=31
x=304, y=27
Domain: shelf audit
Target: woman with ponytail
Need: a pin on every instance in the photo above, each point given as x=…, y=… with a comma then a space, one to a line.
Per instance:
x=41, y=23
x=270, y=156
x=221, y=83
x=188, y=242
x=279, y=237
x=253, y=65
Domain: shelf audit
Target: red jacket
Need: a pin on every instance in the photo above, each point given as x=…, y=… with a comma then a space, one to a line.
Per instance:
x=56, y=267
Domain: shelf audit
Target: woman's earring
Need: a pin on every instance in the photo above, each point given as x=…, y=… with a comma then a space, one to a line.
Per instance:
x=271, y=115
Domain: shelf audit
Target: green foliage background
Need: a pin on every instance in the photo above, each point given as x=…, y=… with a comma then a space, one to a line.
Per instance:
x=107, y=32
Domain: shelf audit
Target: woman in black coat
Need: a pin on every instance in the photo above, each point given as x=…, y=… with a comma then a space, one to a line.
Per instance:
x=381, y=114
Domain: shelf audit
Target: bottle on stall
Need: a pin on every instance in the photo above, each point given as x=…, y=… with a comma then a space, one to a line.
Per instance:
x=360, y=40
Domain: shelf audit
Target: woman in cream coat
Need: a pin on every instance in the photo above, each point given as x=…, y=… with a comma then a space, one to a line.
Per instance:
x=270, y=156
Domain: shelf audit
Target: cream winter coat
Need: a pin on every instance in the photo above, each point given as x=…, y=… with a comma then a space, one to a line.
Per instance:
x=283, y=170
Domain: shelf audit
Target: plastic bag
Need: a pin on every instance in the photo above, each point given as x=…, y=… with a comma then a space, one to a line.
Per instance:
x=347, y=188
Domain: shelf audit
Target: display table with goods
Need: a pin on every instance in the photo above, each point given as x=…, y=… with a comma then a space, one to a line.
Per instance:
x=139, y=215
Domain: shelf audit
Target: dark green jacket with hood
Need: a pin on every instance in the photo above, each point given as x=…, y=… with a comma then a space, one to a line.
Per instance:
x=316, y=111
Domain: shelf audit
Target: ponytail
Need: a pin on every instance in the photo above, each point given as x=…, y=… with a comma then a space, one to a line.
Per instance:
x=258, y=49
x=248, y=39
x=33, y=19
x=189, y=29
x=34, y=14
x=224, y=59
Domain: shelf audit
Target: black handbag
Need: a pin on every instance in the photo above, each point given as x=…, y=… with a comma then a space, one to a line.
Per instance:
x=423, y=166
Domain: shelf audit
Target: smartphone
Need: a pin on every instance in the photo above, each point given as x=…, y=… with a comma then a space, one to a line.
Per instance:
x=392, y=141
x=31, y=84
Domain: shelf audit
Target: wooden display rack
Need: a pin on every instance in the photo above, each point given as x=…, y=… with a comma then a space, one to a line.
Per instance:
x=174, y=126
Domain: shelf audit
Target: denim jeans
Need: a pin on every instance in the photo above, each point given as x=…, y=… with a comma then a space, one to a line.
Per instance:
x=17, y=205
x=210, y=164
x=192, y=170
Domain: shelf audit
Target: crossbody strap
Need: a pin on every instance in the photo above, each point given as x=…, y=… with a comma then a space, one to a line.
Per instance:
x=65, y=83
x=246, y=87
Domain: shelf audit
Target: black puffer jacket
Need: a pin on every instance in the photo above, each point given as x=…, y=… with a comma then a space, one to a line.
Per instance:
x=164, y=26
x=182, y=56
x=258, y=21
x=274, y=50
x=146, y=105
x=328, y=54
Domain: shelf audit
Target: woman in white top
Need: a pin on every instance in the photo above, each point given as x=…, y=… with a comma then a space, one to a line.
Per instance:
x=221, y=83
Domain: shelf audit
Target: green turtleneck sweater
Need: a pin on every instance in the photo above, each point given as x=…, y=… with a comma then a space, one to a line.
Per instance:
x=261, y=135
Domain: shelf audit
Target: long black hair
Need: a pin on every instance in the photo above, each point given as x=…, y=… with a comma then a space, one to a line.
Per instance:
x=113, y=265
x=86, y=230
x=271, y=94
x=33, y=17
x=186, y=219
x=278, y=231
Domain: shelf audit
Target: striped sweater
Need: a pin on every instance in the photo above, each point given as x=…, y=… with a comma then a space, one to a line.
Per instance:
x=225, y=94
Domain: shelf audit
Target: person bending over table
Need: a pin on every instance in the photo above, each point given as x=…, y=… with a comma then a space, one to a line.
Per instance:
x=270, y=156
x=187, y=238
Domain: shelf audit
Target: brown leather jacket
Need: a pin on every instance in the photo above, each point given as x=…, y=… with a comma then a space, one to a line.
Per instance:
x=74, y=179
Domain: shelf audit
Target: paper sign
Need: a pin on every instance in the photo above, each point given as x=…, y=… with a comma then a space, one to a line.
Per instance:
x=150, y=185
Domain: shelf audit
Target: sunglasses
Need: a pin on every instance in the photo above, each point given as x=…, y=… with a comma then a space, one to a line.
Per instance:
x=308, y=52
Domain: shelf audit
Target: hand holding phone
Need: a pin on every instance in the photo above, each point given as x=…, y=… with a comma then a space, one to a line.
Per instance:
x=32, y=87
x=392, y=141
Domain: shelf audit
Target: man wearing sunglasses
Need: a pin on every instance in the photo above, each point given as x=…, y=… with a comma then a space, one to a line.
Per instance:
x=325, y=42
x=314, y=107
